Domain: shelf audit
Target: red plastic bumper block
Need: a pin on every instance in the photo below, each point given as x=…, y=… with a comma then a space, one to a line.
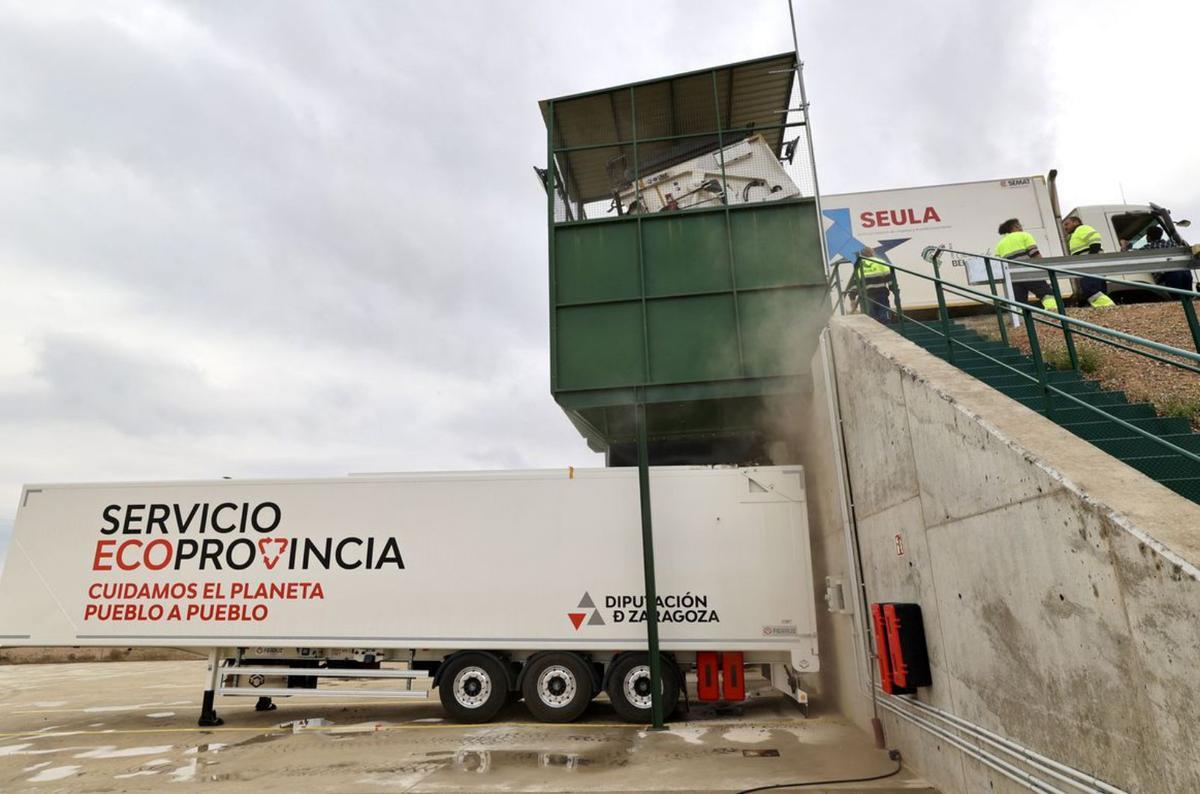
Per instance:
x=733, y=676
x=882, y=654
x=707, y=673
x=906, y=644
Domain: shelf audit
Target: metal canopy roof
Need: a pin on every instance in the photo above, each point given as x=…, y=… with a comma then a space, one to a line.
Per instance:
x=739, y=95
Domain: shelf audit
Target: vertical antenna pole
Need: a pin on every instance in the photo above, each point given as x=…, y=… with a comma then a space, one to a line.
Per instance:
x=808, y=137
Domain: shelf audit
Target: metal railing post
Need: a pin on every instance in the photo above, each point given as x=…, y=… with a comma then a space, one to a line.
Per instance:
x=1038, y=365
x=987, y=263
x=862, y=292
x=1066, y=328
x=899, y=307
x=943, y=313
x=1189, y=311
x=837, y=279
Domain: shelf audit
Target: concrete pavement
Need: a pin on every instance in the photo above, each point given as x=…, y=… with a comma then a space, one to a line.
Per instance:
x=131, y=726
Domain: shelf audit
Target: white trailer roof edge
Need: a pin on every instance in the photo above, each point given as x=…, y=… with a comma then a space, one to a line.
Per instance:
x=1039, y=177
x=416, y=476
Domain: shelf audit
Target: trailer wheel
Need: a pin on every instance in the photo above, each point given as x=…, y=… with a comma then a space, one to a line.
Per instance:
x=473, y=687
x=629, y=687
x=557, y=687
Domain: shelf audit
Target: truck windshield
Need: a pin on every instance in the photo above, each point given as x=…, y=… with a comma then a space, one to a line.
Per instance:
x=1140, y=230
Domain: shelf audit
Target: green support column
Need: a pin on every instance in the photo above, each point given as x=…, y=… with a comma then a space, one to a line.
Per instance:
x=656, y=706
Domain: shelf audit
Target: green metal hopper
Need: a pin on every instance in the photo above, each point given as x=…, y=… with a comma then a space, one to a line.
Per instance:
x=686, y=265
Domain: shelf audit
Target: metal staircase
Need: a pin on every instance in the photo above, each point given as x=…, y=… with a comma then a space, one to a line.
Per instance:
x=1153, y=459
x=1161, y=447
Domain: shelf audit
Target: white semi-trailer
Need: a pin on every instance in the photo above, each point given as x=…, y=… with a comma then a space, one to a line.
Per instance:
x=497, y=585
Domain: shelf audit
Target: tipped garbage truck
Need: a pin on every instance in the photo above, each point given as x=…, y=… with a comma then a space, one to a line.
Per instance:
x=490, y=586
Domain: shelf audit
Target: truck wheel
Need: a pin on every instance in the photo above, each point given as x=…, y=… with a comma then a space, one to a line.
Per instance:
x=629, y=687
x=473, y=687
x=557, y=687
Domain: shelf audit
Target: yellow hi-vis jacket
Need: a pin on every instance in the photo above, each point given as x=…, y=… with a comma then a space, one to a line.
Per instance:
x=1083, y=238
x=872, y=268
x=1017, y=245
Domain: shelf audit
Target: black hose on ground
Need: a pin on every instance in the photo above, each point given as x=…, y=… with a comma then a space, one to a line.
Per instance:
x=892, y=754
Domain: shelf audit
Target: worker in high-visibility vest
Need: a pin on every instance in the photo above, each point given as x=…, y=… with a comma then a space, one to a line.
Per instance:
x=1016, y=243
x=876, y=277
x=1083, y=239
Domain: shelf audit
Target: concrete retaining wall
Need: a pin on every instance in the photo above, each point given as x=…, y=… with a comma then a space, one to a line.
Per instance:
x=1059, y=587
x=843, y=684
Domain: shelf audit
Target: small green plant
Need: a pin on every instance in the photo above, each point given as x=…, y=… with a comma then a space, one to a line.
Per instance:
x=1181, y=407
x=1089, y=359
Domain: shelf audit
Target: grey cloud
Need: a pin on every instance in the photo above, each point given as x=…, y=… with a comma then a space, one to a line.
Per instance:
x=339, y=198
x=319, y=209
x=940, y=91
x=136, y=394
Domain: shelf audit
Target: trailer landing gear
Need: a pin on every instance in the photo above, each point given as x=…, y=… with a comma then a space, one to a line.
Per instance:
x=208, y=710
x=264, y=704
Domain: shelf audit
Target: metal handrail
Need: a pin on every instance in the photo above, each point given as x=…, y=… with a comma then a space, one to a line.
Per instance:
x=1017, y=307
x=937, y=250
x=1033, y=316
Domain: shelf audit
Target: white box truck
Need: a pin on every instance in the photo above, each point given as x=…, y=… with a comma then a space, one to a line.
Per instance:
x=496, y=585
x=899, y=224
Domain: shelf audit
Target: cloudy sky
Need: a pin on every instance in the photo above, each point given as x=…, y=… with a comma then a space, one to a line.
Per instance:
x=269, y=238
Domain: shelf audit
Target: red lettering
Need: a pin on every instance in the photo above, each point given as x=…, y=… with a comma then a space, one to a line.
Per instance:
x=89, y=611
x=167, y=554
x=124, y=566
x=102, y=554
x=900, y=217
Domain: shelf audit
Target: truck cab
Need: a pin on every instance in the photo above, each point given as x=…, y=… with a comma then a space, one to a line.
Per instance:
x=1124, y=227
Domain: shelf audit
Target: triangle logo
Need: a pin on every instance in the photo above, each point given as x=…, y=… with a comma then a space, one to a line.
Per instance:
x=586, y=602
x=596, y=619
x=577, y=618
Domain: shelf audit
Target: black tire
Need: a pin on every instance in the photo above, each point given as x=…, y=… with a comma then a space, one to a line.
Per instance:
x=557, y=687
x=473, y=687
x=629, y=687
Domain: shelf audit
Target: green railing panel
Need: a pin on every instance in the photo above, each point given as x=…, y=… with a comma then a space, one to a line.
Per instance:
x=692, y=339
x=686, y=253
x=777, y=245
x=596, y=263
x=780, y=329
x=606, y=346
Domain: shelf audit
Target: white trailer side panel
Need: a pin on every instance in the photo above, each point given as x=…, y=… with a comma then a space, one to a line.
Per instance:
x=501, y=560
x=900, y=223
